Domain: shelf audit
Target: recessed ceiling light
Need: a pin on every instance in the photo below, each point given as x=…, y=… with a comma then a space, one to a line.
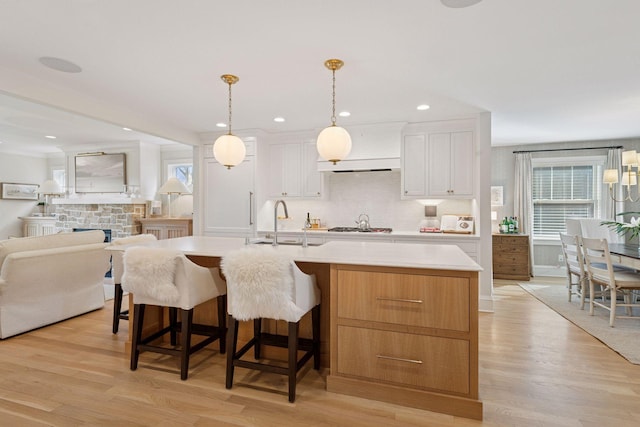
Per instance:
x=59, y=64
x=423, y=107
x=127, y=129
x=50, y=136
x=344, y=114
x=221, y=125
x=456, y=4
x=279, y=119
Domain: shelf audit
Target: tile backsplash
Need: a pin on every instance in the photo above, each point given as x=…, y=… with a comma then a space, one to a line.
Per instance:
x=376, y=194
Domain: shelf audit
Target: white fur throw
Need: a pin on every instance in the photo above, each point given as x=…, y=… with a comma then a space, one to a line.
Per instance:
x=260, y=285
x=149, y=272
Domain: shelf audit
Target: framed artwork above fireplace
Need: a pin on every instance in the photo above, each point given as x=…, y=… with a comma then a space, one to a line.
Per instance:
x=101, y=173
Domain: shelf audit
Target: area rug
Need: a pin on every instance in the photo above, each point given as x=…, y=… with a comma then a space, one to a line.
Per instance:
x=624, y=338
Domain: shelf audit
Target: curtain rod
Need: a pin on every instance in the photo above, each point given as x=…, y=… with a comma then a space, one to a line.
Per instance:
x=566, y=149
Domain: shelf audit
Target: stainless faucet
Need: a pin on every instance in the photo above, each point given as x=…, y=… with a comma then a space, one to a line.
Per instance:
x=275, y=219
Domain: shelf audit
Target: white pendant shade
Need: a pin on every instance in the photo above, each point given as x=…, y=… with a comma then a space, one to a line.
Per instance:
x=229, y=150
x=334, y=143
x=173, y=186
x=49, y=187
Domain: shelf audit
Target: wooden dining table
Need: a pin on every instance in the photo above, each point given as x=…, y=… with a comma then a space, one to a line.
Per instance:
x=625, y=254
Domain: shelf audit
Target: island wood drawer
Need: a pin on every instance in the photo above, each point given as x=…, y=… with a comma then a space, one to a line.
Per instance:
x=406, y=359
x=426, y=301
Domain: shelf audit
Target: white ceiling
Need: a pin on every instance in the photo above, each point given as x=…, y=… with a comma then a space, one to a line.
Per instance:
x=547, y=70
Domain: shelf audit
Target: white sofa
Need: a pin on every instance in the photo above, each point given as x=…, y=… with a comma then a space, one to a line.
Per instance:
x=47, y=279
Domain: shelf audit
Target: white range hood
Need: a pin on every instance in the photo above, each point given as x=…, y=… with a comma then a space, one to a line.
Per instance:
x=374, y=147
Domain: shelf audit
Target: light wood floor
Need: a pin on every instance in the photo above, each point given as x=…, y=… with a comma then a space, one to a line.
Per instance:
x=536, y=369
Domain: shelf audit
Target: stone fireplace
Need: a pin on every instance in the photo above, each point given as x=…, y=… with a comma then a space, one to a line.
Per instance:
x=121, y=216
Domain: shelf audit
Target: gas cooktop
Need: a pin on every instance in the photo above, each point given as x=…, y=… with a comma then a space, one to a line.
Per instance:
x=361, y=230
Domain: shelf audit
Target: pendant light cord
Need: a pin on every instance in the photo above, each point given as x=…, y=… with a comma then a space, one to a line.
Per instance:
x=333, y=94
x=229, y=108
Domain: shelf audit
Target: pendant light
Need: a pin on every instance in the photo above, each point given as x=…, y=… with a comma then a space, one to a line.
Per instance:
x=229, y=150
x=334, y=142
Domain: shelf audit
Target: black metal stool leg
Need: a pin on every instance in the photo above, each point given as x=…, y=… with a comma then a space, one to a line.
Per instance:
x=138, y=315
x=117, y=306
x=222, y=322
x=185, y=339
x=293, y=359
x=232, y=340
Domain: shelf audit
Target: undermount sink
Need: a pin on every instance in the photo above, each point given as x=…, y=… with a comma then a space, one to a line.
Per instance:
x=284, y=243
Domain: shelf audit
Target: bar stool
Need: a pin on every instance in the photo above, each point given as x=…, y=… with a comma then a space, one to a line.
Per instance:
x=264, y=284
x=117, y=268
x=167, y=278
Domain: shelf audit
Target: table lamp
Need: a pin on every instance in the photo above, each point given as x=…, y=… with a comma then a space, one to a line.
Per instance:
x=47, y=189
x=173, y=186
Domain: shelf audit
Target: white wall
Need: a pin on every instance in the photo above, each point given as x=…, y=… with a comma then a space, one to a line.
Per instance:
x=24, y=170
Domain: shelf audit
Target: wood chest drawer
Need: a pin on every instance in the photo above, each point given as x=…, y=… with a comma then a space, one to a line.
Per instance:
x=407, y=359
x=511, y=258
x=425, y=301
x=521, y=259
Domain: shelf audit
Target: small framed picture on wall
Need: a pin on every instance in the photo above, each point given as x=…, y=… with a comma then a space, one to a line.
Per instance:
x=497, y=197
x=11, y=190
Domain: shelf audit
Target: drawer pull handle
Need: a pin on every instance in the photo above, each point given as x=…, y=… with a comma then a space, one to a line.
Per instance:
x=414, y=301
x=399, y=359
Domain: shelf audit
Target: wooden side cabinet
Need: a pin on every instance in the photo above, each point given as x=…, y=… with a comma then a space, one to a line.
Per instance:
x=167, y=228
x=511, y=258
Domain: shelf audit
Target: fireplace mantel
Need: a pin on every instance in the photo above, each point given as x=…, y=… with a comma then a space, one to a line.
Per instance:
x=98, y=200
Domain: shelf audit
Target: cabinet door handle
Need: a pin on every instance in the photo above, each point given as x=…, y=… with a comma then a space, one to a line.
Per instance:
x=414, y=301
x=399, y=359
x=250, y=208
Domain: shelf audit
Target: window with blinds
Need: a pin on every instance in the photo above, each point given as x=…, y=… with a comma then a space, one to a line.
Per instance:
x=562, y=191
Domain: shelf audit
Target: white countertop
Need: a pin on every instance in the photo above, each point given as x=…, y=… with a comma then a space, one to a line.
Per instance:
x=411, y=255
x=371, y=235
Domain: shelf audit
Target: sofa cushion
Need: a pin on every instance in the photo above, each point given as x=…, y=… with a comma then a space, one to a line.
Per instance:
x=50, y=241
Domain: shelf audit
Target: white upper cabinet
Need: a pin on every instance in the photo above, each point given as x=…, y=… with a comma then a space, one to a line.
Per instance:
x=438, y=161
x=285, y=170
x=312, y=180
x=450, y=164
x=414, y=174
x=293, y=170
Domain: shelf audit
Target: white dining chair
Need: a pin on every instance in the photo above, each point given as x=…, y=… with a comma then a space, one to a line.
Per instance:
x=601, y=271
x=577, y=282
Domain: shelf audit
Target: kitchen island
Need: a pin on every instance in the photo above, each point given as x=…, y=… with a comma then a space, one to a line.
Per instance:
x=399, y=320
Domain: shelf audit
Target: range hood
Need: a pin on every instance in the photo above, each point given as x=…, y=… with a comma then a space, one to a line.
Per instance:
x=373, y=148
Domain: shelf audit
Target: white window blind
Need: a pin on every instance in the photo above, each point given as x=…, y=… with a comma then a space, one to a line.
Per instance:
x=562, y=190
